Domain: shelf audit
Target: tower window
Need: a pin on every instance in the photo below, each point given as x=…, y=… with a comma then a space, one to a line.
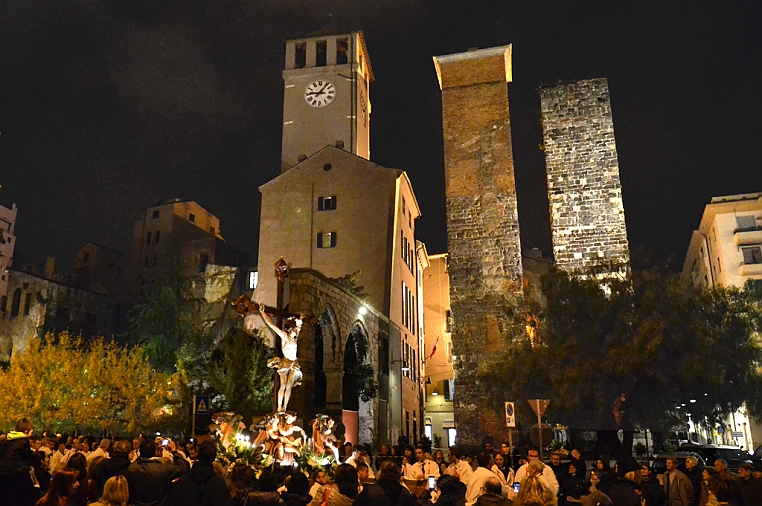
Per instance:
x=156, y=236
x=321, y=53
x=202, y=262
x=300, y=58
x=326, y=240
x=155, y=214
x=16, y=303
x=86, y=257
x=192, y=218
x=342, y=51
x=27, y=303
x=327, y=203
x=148, y=238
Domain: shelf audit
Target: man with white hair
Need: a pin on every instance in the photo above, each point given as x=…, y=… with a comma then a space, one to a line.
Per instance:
x=545, y=473
x=101, y=451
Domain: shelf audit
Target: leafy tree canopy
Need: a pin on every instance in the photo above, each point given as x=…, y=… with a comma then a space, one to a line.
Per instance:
x=650, y=337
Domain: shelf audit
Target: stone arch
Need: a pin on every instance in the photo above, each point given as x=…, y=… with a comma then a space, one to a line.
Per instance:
x=16, y=303
x=357, y=414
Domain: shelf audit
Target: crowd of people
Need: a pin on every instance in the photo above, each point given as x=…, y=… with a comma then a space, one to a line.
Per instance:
x=75, y=471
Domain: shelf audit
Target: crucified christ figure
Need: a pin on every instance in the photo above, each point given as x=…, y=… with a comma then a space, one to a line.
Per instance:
x=289, y=372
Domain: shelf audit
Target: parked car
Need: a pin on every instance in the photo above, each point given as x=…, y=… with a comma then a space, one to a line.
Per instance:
x=659, y=465
x=733, y=455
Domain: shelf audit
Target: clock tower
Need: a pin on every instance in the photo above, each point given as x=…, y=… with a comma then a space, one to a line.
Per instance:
x=325, y=99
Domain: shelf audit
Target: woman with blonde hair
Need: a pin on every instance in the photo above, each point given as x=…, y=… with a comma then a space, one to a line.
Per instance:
x=115, y=492
x=533, y=493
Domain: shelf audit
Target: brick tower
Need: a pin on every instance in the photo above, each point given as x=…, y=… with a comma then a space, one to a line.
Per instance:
x=482, y=222
x=586, y=211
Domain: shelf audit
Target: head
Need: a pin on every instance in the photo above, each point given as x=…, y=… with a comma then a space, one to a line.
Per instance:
x=298, y=483
x=572, y=471
x=207, y=451
x=493, y=486
x=690, y=463
x=94, y=462
x=484, y=459
x=451, y=487
x=420, y=455
x=576, y=455
x=499, y=460
x=488, y=447
x=241, y=474
x=320, y=477
x=533, y=454
x=535, y=467
x=757, y=473
x=708, y=472
x=147, y=449
x=121, y=449
x=64, y=484
x=531, y=491
x=409, y=451
x=389, y=470
x=136, y=444
x=720, y=465
x=25, y=426
x=438, y=456
x=62, y=447
x=35, y=443
x=115, y=491
x=268, y=482
x=78, y=462
x=504, y=448
x=105, y=444
x=671, y=464
x=85, y=446
x=745, y=471
x=385, y=450
x=454, y=454
x=645, y=470
x=363, y=471
x=346, y=480
x=555, y=460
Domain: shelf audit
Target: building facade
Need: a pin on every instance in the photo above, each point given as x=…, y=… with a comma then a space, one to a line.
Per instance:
x=585, y=194
x=176, y=237
x=482, y=222
x=334, y=212
x=726, y=250
x=7, y=245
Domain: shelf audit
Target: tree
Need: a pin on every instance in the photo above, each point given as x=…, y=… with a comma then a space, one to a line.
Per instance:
x=650, y=337
x=237, y=369
x=64, y=383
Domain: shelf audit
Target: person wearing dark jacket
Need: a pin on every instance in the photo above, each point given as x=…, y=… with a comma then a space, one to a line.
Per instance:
x=267, y=495
x=492, y=495
x=201, y=486
x=572, y=485
x=115, y=465
x=652, y=492
x=626, y=491
x=751, y=488
x=149, y=478
x=17, y=484
x=452, y=492
x=297, y=490
x=387, y=491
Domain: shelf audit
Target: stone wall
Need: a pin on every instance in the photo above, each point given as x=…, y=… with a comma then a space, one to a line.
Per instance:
x=482, y=223
x=586, y=211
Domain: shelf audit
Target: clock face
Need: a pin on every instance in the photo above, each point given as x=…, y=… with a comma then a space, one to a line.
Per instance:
x=319, y=93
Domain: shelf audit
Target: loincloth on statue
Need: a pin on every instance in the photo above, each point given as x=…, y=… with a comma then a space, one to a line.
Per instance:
x=284, y=365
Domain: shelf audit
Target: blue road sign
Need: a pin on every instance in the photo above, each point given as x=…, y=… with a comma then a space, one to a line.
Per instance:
x=200, y=404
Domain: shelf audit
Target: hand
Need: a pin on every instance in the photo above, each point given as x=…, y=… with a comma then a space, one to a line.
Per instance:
x=261, y=308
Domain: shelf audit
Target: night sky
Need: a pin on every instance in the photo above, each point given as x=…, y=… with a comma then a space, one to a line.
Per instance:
x=109, y=107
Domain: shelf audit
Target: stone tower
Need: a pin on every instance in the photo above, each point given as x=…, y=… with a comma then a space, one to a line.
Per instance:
x=482, y=222
x=586, y=211
x=325, y=100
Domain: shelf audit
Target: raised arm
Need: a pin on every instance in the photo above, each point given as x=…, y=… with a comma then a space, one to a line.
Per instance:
x=268, y=321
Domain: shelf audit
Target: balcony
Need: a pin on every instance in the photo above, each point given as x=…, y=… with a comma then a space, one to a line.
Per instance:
x=752, y=235
x=751, y=269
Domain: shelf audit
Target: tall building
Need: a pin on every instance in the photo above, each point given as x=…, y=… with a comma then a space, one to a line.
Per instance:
x=482, y=222
x=7, y=245
x=326, y=96
x=100, y=268
x=586, y=210
x=335, y=213
x=439, y=417
x=176, y=237
x=726, y=250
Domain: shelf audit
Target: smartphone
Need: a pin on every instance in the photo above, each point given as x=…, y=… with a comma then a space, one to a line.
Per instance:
x=432, y=483
x=164, y=442
x=516, y=488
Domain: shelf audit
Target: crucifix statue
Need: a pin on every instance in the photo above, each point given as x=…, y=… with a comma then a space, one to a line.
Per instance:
x=289, y=372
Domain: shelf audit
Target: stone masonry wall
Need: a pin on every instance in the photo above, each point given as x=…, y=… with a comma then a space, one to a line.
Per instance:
x=482, y=223
x=586, y=210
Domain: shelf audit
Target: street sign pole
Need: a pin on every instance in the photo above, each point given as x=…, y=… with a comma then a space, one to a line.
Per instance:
x=510, y=422
x=539, y=406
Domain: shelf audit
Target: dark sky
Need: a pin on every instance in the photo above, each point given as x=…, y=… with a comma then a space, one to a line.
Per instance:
x=108, y=107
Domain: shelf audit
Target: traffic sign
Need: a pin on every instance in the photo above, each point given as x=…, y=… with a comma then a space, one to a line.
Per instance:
x=510, y=415
x=200, y=404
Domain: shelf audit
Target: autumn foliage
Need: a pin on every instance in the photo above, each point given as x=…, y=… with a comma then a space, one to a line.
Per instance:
x=64, y=383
